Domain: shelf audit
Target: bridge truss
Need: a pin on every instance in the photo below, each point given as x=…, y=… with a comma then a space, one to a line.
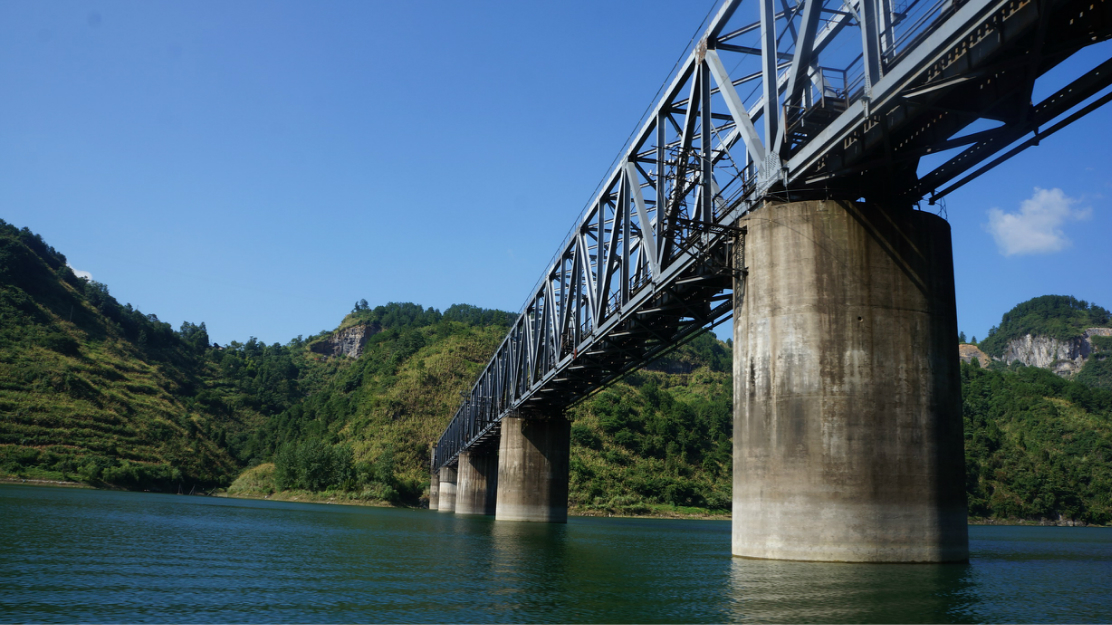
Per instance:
x=820, y=98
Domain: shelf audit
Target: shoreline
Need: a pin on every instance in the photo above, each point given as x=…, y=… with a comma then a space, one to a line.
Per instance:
x=663, y=514
x=53, y=483
x=580, y=512
x=305, y=497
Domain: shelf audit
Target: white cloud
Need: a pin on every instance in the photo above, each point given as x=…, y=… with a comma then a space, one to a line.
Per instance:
x=1037, y=227
x=79, y=273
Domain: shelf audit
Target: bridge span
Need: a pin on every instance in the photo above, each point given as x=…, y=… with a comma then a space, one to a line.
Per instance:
x=779, y=179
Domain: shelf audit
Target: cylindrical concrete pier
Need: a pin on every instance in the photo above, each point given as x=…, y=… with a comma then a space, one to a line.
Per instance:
x=533, y=457
x=447, y=496
x=434, y=491
x=848, y=440
x=477, y=482
x=434, y=480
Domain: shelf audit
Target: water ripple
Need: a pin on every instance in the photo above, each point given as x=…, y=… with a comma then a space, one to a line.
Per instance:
x=95, y=556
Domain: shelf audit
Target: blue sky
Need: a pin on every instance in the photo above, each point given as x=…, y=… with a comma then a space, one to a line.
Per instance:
x=260, y=166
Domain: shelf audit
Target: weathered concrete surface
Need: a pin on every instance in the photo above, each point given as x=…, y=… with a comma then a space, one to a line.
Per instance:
x=848, y=438
x=434, y=480
x=477, y=482
x=533, y=457
x=434, y=491
x=447, y=497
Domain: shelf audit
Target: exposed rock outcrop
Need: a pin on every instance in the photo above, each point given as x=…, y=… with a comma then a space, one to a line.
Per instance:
x=1062, y=357
x=968, y=353
x=347, y=342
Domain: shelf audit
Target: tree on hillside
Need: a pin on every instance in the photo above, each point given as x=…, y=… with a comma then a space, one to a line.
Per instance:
x=196, y=336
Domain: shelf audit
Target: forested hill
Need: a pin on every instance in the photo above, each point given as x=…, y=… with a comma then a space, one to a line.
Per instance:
x=1037, y=446
x=1060, y=317
x=95, y=391
x=102, y=393
x=655, y=440
x=366, y=427
x=1058, y=332
x=98, y=392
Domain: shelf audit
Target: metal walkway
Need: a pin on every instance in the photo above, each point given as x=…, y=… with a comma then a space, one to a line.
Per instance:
x=778, y=101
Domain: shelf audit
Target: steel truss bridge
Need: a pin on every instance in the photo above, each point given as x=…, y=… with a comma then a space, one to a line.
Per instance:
x=817, y=99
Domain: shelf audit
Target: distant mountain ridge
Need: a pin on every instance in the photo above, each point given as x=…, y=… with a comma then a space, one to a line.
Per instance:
x=1070, y=337
x=1061, y=317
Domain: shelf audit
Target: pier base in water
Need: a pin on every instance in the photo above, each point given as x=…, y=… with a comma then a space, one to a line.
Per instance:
x=447, y=496
x=477, y=482
x=533, y=470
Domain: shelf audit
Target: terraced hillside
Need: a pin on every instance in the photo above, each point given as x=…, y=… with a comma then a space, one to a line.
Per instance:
x=92, y=390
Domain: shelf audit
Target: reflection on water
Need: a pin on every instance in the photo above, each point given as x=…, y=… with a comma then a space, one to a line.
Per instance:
x=527, y=568
x=608, y=570
x=802, y=592
x=96, y=556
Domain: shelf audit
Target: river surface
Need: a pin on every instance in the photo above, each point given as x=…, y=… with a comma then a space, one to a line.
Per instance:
x=69, y=555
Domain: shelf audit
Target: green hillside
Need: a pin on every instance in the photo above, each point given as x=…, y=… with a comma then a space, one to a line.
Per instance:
x=1097, y=371
x=1036, y=445
x=98, y=392
x=367, y=429
x=91, y=390
x=657, y=441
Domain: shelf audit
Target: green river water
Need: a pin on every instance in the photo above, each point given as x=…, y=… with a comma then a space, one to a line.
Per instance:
x=69, y=555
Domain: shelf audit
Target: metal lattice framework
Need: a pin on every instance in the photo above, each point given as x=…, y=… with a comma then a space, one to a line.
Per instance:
x=821, y=98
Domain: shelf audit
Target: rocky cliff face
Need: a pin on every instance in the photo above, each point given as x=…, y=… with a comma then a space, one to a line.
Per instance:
x=347, y=342
x=1063, y=357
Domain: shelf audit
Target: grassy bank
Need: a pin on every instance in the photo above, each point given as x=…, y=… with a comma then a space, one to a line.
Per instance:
x=259, y=483
x=12, y=479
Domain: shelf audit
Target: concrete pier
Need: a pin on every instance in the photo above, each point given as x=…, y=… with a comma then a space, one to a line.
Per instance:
x=848, y=440
x=447, y=495
x=434, y=491
x=533, y=459
x=477, y=482
x=434, y=481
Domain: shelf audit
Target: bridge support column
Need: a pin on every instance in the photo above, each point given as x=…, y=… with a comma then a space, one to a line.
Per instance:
x=434, y=491
x=848, y=441
x=434, y=481
x=447, y=499
x=533, y=457
x=477, y=482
